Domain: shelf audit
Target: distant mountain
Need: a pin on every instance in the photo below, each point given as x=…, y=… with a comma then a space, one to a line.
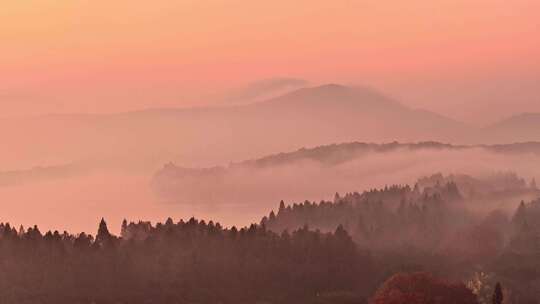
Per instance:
x=304, y=117
x=314, y=172
x=204, y=136
x=336, y=154
x=340, y=153
x=340, y=113
x=522, y=127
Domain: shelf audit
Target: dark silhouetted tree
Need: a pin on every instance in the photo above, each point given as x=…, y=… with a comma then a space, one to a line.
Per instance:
x=520, y=216
x=498, y=294
x=124, y=228
x=281, y=207
x=103, y=234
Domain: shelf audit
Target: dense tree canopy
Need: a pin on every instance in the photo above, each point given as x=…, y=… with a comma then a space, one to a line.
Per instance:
x=422, y=288
x=184, y=262
x=328, y=252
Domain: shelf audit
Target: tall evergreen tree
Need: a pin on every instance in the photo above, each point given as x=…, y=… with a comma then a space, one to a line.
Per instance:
x=21, y=231
x=103, y=232
x=272, y=216
x=497, y=294
x=281, y=207
x=123, y=229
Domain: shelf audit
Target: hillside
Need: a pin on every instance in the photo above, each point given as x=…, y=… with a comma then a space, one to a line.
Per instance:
x=202, y=136
x=522, y=127
x=335, y=154
x=322, y=170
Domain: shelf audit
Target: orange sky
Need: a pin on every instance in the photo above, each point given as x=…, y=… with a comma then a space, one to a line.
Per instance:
x=452, y=56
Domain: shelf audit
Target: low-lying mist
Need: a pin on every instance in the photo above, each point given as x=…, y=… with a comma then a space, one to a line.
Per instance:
x=78, y=202
x=237, y=194
x=260, y=188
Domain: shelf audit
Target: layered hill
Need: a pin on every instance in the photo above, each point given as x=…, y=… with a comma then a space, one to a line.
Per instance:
x=316, y=172
x=203, y=136
x=521, y=127
x=305, y=117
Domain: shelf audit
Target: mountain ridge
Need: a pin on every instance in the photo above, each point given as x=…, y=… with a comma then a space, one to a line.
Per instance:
x=326, y=153
x=518, y=127
x=303, y=117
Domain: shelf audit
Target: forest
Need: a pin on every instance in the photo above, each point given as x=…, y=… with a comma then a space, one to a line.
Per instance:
x=399, y=244
x=270, y=152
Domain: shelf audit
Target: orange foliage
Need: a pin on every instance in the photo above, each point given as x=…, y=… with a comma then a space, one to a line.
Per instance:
x=420, y=288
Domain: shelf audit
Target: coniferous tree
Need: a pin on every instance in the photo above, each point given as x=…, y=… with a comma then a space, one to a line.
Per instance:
x=103, y=234
x=281, y=207
x=497, y=294
x=123, y=229
x=520, y=217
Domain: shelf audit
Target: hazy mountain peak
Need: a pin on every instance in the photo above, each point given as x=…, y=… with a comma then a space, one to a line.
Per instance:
x=336, y=96
x=522, y=120
x=322, y=90
x=331, y=86
x=520, y=127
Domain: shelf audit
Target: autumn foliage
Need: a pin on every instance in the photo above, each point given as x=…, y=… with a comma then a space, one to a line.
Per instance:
x=422, y=288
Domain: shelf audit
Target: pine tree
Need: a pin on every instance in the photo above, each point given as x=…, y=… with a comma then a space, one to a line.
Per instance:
x=520, y=217
x=21, y=231
x=497, y=294
x=281, y=207
x=533, y=184
x=123, y=229
x=264, y=221
x=103, y=234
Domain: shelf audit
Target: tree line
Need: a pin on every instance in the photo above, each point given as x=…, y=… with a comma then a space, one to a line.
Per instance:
x=183, y=262
x=359, y=248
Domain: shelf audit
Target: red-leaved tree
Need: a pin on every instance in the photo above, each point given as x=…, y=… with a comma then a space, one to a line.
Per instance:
x=422, y=288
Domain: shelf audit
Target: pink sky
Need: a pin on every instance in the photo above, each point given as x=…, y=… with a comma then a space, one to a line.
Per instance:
x=452, y=56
